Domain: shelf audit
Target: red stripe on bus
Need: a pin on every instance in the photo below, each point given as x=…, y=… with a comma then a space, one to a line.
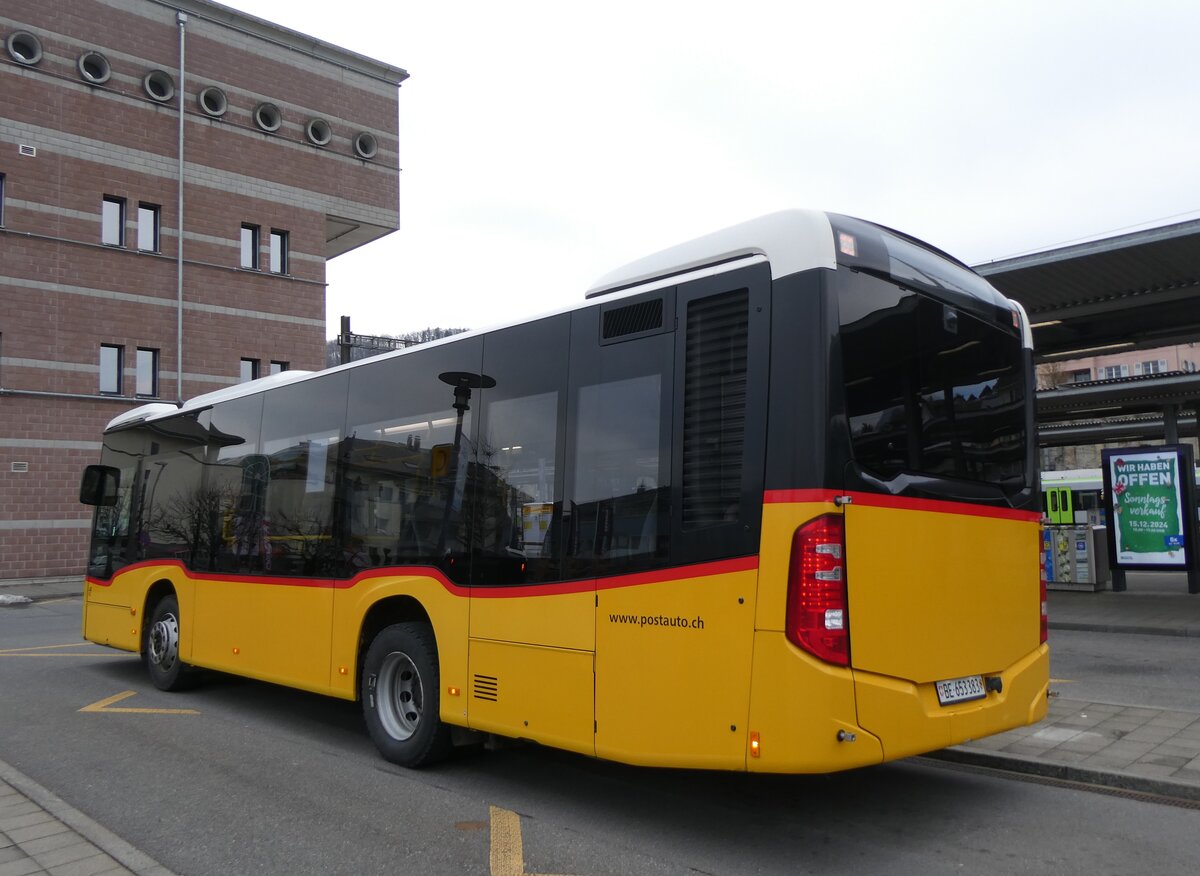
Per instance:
x=634, y=579
x=877, y=500
x=583, y=585
x=779, y=497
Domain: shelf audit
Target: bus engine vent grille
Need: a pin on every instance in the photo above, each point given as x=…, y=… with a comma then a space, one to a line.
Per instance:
x=632, y=319
x=487, y=687
x=714, y=408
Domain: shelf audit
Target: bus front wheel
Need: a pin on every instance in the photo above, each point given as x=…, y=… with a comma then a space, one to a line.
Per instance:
x=160, y=648
x=400, y=696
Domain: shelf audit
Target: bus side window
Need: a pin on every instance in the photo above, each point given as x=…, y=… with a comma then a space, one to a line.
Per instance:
x=619, y=454
x=233, y=459
x=289, y=504
x=515, y=498
x=407, y=458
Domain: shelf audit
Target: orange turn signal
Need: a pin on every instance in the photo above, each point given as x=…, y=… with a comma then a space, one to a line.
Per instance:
x=754, y=743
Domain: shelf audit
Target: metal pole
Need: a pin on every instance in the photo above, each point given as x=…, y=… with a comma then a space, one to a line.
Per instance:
x=1171, y=424
x=344, y=340
x=182, y=18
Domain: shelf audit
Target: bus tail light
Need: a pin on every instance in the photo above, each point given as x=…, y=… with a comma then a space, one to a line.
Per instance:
x=1045, y=616
x=817, y=616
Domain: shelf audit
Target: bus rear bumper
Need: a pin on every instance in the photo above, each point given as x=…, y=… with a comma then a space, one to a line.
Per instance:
x=909, y=720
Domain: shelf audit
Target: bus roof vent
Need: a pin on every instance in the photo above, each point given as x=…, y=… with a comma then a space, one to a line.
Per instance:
x=633, y=319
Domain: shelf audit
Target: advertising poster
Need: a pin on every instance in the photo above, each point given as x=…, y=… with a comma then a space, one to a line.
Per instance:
x=1149, y=497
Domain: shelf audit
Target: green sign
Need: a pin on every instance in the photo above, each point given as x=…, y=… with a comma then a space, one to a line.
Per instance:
x=1148, y=507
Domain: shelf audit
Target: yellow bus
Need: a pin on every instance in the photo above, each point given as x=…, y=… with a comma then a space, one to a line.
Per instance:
x=764, y=501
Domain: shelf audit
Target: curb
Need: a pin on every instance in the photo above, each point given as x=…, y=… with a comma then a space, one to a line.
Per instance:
x=95, y=833
x=1187, y=632
x=1015, y=763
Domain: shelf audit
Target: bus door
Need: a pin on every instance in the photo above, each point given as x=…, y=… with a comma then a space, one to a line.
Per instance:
x=665, y=480
x=266, y=611
x=532, y=637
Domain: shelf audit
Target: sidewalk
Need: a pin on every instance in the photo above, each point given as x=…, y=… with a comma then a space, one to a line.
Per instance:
x=39, y=833
x=1156, y=751
x=22, y=591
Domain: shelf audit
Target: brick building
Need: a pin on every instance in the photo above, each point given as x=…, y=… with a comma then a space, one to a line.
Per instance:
x=289, y=157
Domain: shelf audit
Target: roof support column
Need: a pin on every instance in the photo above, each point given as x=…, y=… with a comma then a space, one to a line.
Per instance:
x=1171, y=424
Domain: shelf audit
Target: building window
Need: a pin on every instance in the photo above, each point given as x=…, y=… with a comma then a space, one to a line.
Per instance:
x=279, y=251
x=149, y=216
x=1154, y=366
x=110, y=368
x=250, y=247
x=1109, y=372
x=1083, y=375
x=278, y=367
x=112, y=221
x=1, y=200
x=147, y=372
x=249, y=370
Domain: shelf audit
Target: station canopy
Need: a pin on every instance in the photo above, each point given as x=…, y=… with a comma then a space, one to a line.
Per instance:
x=1119, y=294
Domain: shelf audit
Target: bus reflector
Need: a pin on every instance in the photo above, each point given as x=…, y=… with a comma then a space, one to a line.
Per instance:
x=1045, y=616
x=816, y=600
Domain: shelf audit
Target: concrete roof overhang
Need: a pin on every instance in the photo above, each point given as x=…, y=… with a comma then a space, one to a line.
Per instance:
x=1133, y=291
x=1119, y=294
x=1128, y=408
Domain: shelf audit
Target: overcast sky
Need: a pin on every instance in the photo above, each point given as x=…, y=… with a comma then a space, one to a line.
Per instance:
x=544, y=143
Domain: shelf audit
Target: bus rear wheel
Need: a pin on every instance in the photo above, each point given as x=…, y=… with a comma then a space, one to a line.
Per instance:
x=400, y=696
x=160, y=648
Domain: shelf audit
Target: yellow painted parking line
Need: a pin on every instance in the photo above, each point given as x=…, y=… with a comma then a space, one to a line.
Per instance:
x=48, y=651
x=507, y=855
x=45, y=647
x=106, y=705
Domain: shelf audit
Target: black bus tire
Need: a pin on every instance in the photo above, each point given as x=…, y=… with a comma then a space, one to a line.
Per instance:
x=401, y=697
x=160, y=648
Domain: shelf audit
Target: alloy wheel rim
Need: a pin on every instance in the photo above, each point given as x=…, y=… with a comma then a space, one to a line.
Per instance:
x=401, y=696
x=164, y=642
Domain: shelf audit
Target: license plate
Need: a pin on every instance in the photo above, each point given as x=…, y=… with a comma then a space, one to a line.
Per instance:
x=959, y=690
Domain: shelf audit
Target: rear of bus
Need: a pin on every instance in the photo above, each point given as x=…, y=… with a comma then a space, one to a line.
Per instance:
x=901, y=607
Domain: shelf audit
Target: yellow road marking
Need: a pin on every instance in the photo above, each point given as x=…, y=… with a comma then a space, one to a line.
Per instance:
x=105, y=705
x=1062, y=681
x=43, y=651
x=77, y=654
x=45, y=647
x=507, y=856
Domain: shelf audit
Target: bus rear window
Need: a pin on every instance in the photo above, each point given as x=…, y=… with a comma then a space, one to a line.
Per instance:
x=930, y=389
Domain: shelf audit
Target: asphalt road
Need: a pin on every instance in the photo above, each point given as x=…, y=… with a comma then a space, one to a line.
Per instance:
x=263, y=780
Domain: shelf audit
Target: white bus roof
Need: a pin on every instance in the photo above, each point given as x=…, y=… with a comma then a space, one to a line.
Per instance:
x=790, y=241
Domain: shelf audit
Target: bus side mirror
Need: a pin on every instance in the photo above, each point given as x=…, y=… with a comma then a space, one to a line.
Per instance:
x=439, y=460
x=99, y=484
